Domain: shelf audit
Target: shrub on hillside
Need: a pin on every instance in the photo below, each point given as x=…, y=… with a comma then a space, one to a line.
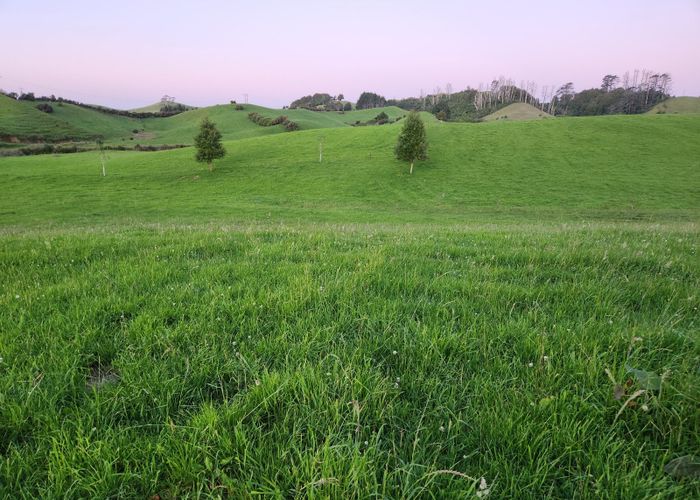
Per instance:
x=46, y=108
x=381, y=118
x=264, y=121
x=291, y=126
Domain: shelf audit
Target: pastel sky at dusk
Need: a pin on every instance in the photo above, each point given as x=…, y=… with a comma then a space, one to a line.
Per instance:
x=128, y=53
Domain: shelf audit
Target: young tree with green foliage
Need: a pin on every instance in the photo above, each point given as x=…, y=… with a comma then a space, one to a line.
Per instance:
x=208, y=143
x=412, y=144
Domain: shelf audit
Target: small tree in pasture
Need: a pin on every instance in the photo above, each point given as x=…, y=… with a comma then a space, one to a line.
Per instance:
x=412, y=144
x=208, y=143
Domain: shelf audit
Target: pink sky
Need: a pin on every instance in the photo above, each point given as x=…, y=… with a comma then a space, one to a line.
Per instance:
x=128, y=53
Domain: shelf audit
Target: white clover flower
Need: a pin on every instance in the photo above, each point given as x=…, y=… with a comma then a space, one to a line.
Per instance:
x=394, y=352
x=483, y=491
x=530, y=365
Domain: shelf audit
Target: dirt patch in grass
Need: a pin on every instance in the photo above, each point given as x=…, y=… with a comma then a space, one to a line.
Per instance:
x=101, y=375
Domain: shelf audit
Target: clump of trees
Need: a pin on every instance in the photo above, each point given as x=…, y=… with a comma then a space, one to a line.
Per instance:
x=173, y=108
x=412, y=144
x=322, y=102
x=627, y=95
x=208, y=143
x=630, y=94
x=469, y=104
x=381, y=119
x=264, y=121
x=369, y=100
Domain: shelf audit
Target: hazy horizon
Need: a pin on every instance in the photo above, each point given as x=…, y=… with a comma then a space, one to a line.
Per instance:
x=129, y=54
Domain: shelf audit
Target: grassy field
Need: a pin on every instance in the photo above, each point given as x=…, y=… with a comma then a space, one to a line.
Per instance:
x=517, y=112
x=677, y=105
x=603, y=168
x=284, y=328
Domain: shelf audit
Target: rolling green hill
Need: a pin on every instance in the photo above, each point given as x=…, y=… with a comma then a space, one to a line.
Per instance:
x=20, y=121
x=677, y=105
x=234, y=124
x=609, y=168
x=517, y=111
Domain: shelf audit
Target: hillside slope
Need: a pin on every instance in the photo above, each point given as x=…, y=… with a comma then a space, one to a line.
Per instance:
x=234, y=124
x=677, y=105
x=608, y=168
x=518, y=111
x=20, y=121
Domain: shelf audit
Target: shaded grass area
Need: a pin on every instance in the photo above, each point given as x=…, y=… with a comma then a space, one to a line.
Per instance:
x=346, y=362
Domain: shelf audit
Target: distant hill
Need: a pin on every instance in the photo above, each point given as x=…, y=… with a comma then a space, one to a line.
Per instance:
x=21, y=122
x=677, y=105
x=517, y=111
x=156, y=107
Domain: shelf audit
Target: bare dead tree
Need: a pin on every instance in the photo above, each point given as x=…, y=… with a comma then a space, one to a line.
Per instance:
x=626, y=80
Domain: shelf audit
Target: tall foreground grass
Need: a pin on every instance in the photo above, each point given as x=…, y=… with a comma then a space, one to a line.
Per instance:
x=348, y=362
